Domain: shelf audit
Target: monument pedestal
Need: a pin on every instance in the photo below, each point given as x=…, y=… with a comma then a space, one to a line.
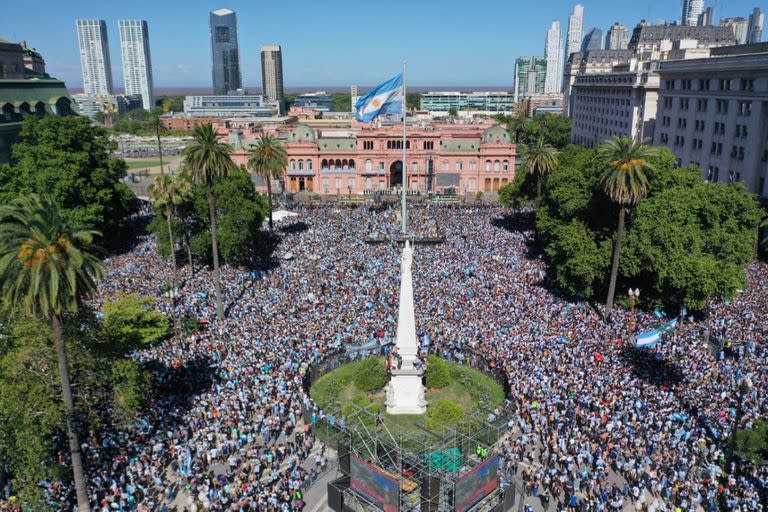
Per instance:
x=405, y=392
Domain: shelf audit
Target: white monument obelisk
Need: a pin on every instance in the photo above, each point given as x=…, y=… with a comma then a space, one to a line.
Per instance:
x=405, y=392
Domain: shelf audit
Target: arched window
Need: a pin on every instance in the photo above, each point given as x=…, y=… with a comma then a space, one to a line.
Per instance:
x=40, y=108
x=324, y=164
x=389, y=144
x=292, y=164
x=407, y=144
x=309, y=165
x=496, y=165
x=338, y=163
x=505, y=165
x=351, y=164
x=487, y=165
x=344, y=164
x=301, y=165
x=368, y=165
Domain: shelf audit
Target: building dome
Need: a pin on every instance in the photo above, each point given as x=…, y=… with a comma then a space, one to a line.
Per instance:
x=496, y=134
x=302, y=133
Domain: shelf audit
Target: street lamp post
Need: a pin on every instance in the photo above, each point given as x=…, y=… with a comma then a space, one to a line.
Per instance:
x=172, y=294
x=634, y=296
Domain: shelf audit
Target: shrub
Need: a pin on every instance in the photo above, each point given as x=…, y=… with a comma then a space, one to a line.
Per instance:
x=438, y=372
x=443, y=413
x=371, y=375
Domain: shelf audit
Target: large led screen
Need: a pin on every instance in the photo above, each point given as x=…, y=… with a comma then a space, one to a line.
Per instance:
x=477, y=484
x=374, y=485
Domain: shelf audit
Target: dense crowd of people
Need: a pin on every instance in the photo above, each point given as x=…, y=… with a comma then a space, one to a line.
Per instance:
x=598, y=425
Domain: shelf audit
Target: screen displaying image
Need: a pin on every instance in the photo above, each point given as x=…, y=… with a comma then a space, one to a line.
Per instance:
x=374, y=485
x=477, y=484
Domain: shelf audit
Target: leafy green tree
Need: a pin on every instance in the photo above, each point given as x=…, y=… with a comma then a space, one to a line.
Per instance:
x=413, y=100
x=46, y=267
x=438, y=373
x=371, y=375
x=686, y=241
x=69, y=160
x=129, y=322
x=444, y=414
x=167, y=193
x=625, y=182
x=539, y=158
x=241, y=214
x=554, y=128
x=207, y=160
x=268, y=159
x=453, y=112
x=342, y=102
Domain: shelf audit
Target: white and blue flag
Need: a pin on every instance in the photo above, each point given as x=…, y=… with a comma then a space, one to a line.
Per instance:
x=648, y=339
x=385, y=98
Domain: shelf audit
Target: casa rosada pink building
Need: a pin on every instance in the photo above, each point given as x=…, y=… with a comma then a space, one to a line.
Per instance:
x=333, y=157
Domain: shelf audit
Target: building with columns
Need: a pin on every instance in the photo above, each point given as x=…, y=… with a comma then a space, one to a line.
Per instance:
x=355, y=158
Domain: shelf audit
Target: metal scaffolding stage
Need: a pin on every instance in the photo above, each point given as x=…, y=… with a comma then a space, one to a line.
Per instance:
x=388, y=464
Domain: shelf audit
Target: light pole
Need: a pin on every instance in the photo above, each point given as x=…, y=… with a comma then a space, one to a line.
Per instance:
x=634, y=296
x=172, y=294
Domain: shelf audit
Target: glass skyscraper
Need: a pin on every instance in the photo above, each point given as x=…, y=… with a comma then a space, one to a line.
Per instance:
x=94, y=56
x=225, y=53
x=530, y=74
x=137, y=64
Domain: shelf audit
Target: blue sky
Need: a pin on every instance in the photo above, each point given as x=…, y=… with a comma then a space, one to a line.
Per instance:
x=330, y=42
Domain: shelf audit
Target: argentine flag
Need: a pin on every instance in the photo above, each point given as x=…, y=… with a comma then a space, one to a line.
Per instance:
x=385, y=98
x=648, y=339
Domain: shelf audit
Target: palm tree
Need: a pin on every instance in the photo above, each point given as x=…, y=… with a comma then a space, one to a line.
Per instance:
x=46, y=268
x=625, y=182
x=268, y=159
x=157, y=126
x=167, y=193
x=208, y=160
x=540, y=159
x=517, y=125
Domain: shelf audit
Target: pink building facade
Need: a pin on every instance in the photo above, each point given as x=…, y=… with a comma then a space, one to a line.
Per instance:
x=353, y=158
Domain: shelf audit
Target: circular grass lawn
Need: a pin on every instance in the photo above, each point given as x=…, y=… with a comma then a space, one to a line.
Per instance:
x=455, y=394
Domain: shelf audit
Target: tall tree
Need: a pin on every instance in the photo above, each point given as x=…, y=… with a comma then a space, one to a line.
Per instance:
x=517, y=125
x=625, y=182
x=46, y=268
x=540, y=159
x=155, y=123
x=167, y=193
x=207, y=160
x=268, y=159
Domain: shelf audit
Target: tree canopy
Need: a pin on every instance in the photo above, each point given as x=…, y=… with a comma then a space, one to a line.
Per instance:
x=687, y=241
x=554, y=128
x=69, y=160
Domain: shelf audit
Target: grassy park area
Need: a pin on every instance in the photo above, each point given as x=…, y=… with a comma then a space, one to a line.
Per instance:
x=455, y=394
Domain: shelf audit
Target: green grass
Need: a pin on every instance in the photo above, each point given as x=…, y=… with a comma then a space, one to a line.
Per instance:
x=143, y=164
x=471, y=390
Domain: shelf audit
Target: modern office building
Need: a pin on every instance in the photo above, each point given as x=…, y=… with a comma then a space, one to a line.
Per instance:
x=26, y=90
x=593, y=40
x=740, y=28
x=617, y=38
x=484, y=101
x=691, y=11
x=575, y=31
x=225, y=52
x=755, y=27
x=346, y=157
x=94, y=56
x=530, y=74
x=320, y=101
x=553, y=53
x=707, y=17
x=137, y=63
x=230, y=105
x=713, y=113
x=272, y=72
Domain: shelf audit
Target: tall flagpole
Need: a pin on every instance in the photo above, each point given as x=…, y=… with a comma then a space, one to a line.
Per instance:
x=405, y=162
